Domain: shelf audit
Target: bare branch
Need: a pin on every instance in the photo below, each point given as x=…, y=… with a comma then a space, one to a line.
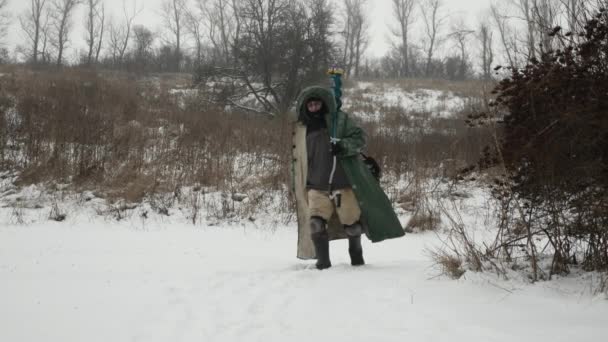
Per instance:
x=120, y=33
x=4, y=19
x=403, y=11
x=94, y=23
x=173, y=13
x=355, y=33
x=31, y=24
x=433, y=22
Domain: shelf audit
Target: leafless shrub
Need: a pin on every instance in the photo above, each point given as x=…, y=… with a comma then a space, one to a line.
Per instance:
x=193, y=204
x=424, y=219
x=459, y=239
x=130, y=140
x=6, y=104
x=161, y=202
x=57, y=213
x=17, y=214
x=118, y=210
x=603, y=287
x=451, y=264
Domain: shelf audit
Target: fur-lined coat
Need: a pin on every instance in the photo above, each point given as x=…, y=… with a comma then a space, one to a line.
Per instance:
x=377, y=215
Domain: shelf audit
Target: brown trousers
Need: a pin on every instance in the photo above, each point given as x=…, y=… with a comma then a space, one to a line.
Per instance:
x=320, y=204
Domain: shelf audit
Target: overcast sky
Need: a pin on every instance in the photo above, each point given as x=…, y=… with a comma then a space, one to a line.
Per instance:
x=380, y=17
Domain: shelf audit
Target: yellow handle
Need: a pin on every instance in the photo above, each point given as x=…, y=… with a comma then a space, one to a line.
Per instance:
x=335, y=71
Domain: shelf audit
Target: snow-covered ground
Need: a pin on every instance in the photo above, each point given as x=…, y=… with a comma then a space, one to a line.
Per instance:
x=127, y=272
x=359, y=98
x=91, y=278
x=439, y=104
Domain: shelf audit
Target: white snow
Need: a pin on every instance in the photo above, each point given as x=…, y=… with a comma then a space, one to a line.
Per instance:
x=440, y=104
x=150, y=277
x=184, y=91
x=423, y=100
x=91, y=278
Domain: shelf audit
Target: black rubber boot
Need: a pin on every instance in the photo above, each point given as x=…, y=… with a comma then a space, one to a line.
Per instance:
x=355, y=250
x=321, y=242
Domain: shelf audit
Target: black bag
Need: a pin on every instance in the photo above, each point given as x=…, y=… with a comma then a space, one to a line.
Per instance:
x=372, y=165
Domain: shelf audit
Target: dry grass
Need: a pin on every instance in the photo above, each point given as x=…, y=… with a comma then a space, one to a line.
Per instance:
x=128, y=139
x=424, y=219
x=56, y=213
x=603, y=287
x=470, y=88
x=450, y=264
x=406, y=140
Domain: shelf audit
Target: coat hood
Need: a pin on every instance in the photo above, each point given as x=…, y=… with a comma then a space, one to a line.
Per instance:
x=326, y=95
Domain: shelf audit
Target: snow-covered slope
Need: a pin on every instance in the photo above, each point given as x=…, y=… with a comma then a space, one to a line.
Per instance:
x=366, y=100
x=96, y=280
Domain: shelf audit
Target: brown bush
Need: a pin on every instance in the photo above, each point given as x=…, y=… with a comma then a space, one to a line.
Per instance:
x=450, y=263
x=406, y=141
x=424, y=219
x=116, y=132
x=554, y=151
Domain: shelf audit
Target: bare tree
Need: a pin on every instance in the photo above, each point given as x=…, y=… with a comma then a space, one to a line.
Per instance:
x=45, y=38
x=487, y=52
x=526, y=7
x=236, y=32
x=575, y=13
x=539, y=16
x=261, y=23
x=120, y=32
x=173, y=15
x=61, y=12
x=222, y=24
x=194, y=22
x=433, y=22
x=4, y=19
x=283, y=45
x=403, y=10
x=599, y=4
x=143, y=39
x=460, y=34
x=115, y=39
x=545, y=14
x=586, y=10
x=507, y=39
x=355, y=33
x=322, y=20
x=31, y=23
x=102, y=25
x=94, y=24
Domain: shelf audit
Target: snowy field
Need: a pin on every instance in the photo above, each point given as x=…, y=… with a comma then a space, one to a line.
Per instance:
x=125, y=272
x=366, y=99
x=437, y=103
x=92, y=278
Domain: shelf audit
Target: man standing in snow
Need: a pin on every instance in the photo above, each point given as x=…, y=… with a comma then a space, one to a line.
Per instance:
x=331, y=183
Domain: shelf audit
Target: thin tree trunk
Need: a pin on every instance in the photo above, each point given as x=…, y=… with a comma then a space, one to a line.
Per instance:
x=102, y=21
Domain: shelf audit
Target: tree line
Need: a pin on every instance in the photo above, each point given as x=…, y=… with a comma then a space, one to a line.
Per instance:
x=427, y=41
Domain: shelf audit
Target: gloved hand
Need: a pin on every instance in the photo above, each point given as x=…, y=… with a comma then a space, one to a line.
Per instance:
x=336, y=149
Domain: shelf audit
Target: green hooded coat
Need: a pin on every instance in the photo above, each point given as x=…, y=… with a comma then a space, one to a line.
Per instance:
x=377, y=216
